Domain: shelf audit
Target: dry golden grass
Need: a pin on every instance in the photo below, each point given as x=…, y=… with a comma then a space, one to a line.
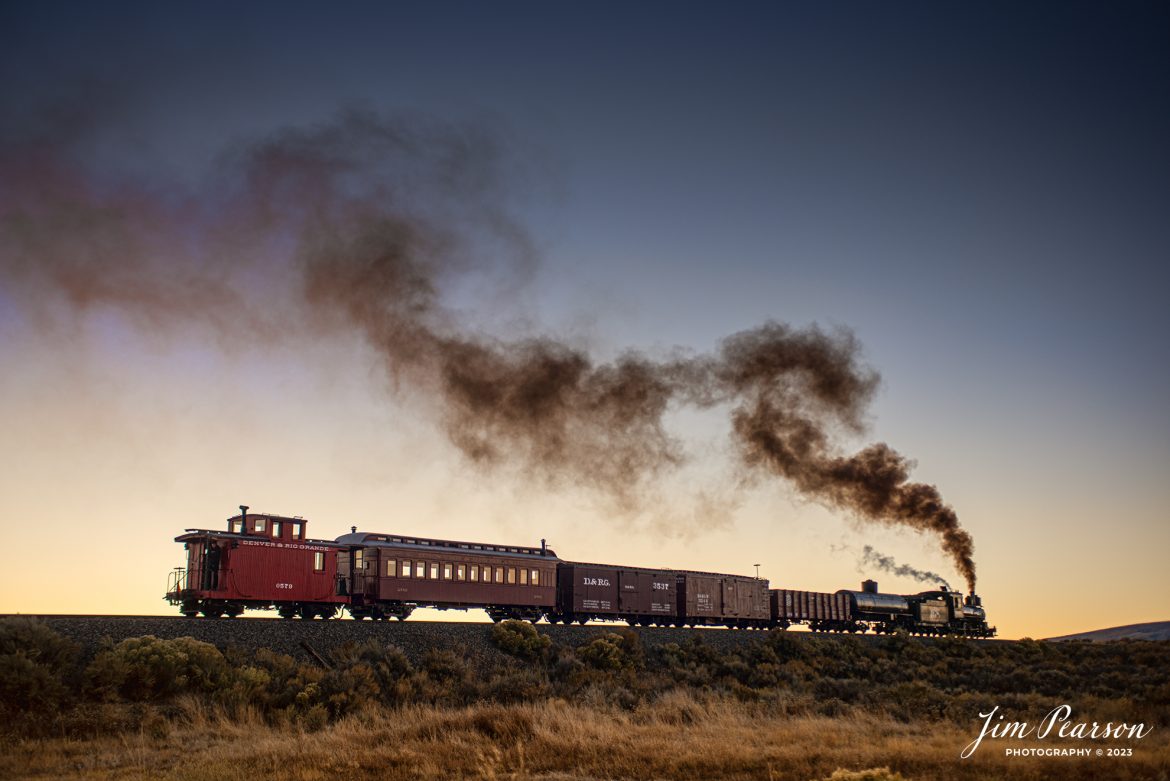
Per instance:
x=678, y=737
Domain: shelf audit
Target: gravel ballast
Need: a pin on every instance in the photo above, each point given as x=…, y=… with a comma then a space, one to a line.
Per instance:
x=415, y=638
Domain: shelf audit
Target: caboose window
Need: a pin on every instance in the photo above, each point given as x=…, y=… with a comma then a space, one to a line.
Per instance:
x=258, y=525
x=434, y=570
x=237, y=527
x=499, y=574
x=523, y=577
x=319, y=561
x=446, y=572
x=535, y=577
x=276, y=528
x=460, y=572
x=511, y=575
x=298, y=532
x=473, y=575
x=420, y=569
x=405, y=569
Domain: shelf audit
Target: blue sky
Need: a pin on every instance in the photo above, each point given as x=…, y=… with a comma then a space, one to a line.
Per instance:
x=979, y=192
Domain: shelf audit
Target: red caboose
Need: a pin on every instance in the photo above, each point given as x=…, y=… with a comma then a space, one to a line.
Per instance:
x=262, y=561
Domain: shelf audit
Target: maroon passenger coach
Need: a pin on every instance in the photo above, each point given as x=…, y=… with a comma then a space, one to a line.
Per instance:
x=387, y=576
x=262, y=561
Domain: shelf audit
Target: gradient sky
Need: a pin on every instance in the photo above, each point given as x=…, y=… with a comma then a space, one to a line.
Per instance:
x=980, y=192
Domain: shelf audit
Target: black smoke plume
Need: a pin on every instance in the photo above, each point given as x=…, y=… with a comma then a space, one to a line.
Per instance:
x=367, y=223
x=872, y=558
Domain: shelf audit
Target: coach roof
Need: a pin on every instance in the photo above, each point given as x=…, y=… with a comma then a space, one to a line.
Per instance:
x=375, y=540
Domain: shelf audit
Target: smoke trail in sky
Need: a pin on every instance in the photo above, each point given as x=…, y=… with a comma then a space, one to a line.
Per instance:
x=873, y=558
x=367, y=223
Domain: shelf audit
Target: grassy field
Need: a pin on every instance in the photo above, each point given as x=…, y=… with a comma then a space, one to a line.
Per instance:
x=677, y=737
x=782, y=707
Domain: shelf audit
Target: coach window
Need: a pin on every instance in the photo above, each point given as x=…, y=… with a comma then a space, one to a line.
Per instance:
x=473, y=575
x=318, y=562
x=446, y=572
x=535, y=577
x=276, y=528
x=390, y=565
x=460, y=572
x=258, y=525
x=499, y=574
x=523, y=577
x=420, y=569
x=434, y=570
x=511, y=576
x=405, y=570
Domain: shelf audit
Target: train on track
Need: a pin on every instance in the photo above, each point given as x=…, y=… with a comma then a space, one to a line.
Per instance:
x=268, y=562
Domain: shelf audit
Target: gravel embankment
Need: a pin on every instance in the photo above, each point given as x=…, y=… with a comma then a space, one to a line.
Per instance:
x=471, y=640
x=415, y=638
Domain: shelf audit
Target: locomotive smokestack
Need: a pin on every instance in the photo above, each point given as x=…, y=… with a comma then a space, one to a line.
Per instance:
x=869, y=586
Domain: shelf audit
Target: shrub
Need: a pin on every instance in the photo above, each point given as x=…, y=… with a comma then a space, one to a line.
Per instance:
x=444, y=677
x=517, y=686
x=148, y=668
x=388, y=664
x=343, y=690
x=37, y=642
x=36, y=667
x=520, y=639
x=603, y=653
x=618, y=650
x=28, y=686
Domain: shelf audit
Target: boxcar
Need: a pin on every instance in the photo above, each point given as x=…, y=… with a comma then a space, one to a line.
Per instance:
x=722, y=600
x=602, y=591
x=262, y=561
x=388, y=576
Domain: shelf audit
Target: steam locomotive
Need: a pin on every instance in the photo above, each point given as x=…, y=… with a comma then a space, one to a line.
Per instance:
x=268, y=562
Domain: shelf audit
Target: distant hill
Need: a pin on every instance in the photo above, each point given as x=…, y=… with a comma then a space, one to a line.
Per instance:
x=1157, y=630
